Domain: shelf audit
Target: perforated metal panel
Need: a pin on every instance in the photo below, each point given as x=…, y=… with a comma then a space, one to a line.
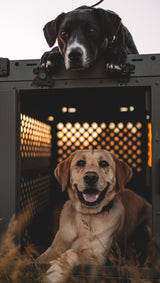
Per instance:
x=124, y=139
x=35, y=193
x=35, y=138
x=35, y=143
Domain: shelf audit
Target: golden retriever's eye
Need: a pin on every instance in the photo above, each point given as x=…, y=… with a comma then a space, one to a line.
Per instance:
x=81, y=163
x=103, y=163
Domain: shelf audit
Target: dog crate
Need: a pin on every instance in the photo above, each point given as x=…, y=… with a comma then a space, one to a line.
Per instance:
x=44, y=117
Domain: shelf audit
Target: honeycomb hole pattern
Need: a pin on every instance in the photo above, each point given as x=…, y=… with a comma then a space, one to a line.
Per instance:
x=35, y=138
x=35, y=194
x=125, y=140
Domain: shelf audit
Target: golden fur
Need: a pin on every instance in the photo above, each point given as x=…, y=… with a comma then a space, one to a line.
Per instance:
x=87, y=230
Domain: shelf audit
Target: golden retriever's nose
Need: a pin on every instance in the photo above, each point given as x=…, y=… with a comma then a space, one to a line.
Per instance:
x=91, y=177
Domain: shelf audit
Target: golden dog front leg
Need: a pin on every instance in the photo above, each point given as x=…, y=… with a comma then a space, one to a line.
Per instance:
x=61, y=268
x=58, y=247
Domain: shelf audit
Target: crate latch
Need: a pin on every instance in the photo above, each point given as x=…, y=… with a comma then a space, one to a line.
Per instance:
x=4, y=67
x=43, y=78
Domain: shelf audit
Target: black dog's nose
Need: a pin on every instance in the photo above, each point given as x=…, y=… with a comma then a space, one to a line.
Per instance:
x=91, y=178
x=75, y=54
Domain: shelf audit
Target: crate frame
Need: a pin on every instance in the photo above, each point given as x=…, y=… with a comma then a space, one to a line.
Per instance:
x=20, y=75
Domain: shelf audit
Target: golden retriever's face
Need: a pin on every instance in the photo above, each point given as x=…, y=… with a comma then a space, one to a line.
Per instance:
x=92, y=178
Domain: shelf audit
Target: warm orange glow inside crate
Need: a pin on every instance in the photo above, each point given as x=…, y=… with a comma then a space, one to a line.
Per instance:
x=149, y=144
x=35, y=137
x=122, y=139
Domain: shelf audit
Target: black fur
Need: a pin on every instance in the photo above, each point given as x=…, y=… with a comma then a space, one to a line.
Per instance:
x=96, y=31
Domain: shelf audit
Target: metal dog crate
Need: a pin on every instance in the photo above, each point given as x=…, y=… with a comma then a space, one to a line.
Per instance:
x=44, y=118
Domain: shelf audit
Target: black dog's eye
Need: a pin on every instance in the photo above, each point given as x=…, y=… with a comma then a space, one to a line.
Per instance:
x=81, y=163
x=103, y=163
x=91, y=31
x=64, y=34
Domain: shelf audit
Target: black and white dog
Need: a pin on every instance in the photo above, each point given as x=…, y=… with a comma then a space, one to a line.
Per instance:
x=83, y=35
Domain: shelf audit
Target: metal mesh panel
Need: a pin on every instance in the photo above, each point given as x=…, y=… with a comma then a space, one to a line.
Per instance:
x=35, y=138
x=35, y=143
x=124, y=139
x=35, y=193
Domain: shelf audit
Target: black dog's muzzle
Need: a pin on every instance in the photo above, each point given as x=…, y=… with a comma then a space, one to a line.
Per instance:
x=75, y=59
x=75, y=54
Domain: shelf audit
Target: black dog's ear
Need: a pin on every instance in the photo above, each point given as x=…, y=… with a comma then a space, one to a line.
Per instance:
x=110, y=22
x=51, y=30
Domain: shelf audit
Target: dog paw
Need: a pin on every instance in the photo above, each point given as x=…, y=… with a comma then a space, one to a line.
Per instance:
x=60, y=268
x=54, y=274
x=122, y=70
x=51, y=60
x=116, y=58
x=47, y=64
x=111, y=68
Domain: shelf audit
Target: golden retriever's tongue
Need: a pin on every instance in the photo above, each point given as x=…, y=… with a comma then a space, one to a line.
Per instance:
x=91, y=197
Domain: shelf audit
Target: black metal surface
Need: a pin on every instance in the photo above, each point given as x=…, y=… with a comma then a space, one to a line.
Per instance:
x=4, y=67
x=23, y=71
x=9, y=156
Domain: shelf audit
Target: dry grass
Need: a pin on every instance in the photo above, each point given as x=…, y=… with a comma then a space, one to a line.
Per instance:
x=19, y=267
x=15, y=266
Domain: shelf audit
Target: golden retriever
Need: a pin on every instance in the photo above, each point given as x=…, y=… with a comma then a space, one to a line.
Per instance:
x=99, y=211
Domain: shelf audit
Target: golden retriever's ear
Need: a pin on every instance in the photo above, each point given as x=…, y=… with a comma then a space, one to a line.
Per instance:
x=62, y=172
x=124, y=172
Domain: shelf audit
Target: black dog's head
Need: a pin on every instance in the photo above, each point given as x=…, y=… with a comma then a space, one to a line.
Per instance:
x=81, y=34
